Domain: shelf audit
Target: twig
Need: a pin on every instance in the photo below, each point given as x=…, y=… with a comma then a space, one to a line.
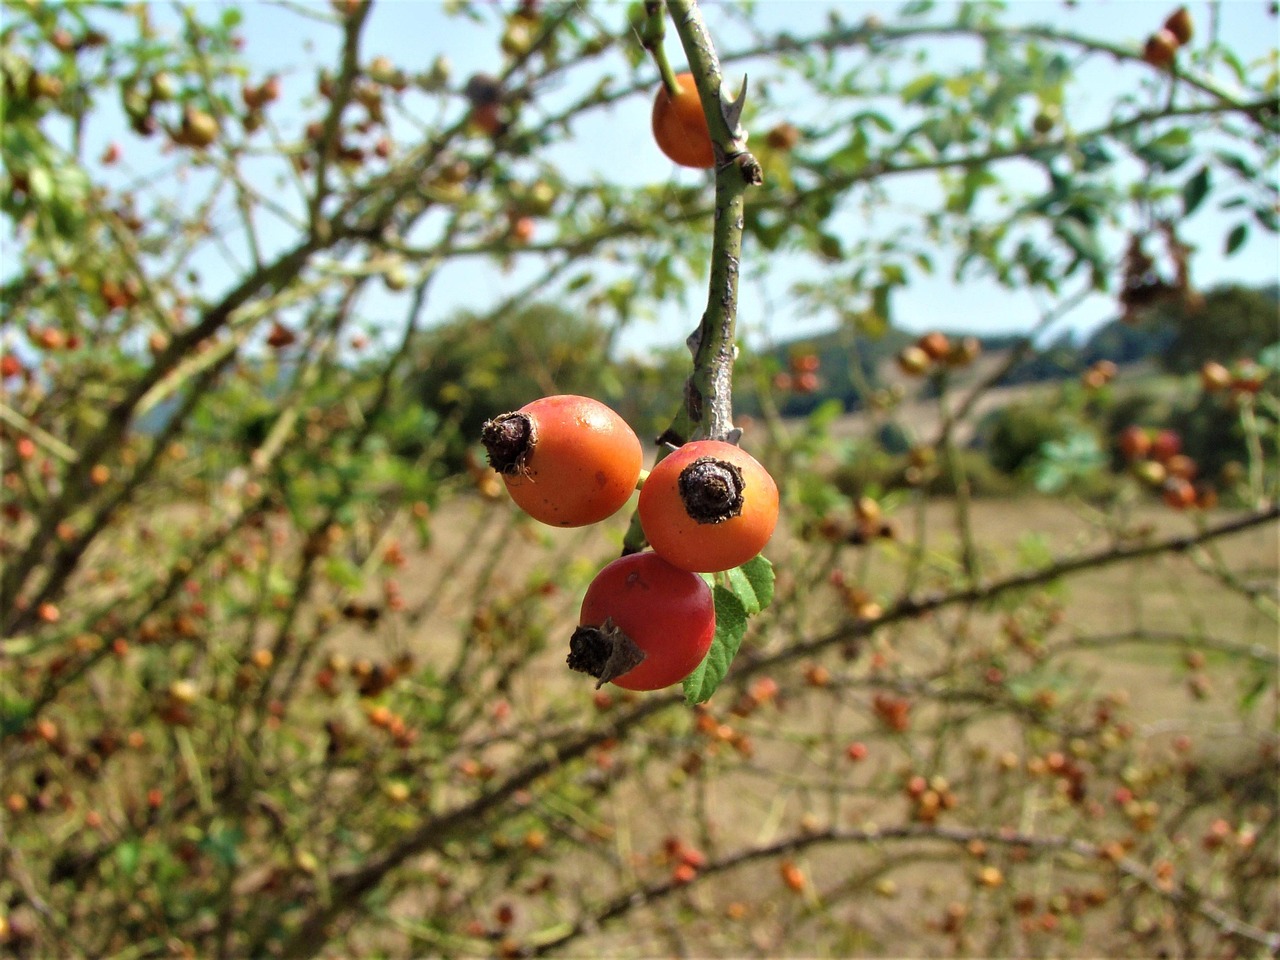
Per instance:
x=351, y=886
x=1180, y=894
x=707, y=408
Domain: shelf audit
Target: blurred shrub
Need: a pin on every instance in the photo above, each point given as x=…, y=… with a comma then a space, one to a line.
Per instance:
x=1014, y=435
x=872, y=469
x=1232, y=323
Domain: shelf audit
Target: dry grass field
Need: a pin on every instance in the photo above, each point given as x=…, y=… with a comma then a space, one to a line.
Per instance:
x=1111, y=643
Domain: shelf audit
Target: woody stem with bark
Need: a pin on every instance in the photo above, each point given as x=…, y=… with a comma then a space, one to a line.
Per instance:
x=707, y=408
x=708, y=404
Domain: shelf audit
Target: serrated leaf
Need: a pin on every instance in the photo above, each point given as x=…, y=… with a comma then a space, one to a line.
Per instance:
x=731, y=627
x=753, y=584
x=1236, y=238
x=1194, y=191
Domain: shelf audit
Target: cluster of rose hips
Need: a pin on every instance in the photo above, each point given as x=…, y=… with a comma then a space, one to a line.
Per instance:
x=685, y=860
x=867, y=523
x=1156, y=458
x=929, y=797
x=1162, y=46
x=1243, y=379
x=1099, y=375
x=936, y=348
x=802, y=377
x=648, y=619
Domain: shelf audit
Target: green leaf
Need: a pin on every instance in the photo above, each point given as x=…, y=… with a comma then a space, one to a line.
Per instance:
x=1194, y=191
x=1168, y=151
x=1034, y=550
x=1261, y=681
x=731, y=627
x=1239, y=164
x=923, y=89
x=881, y=304
x=1063, y=461
x=878, y=119
x=127, y=856
x=1269, y=357
x=223, y=845
x=1236, y=238
x=1080, y=239
x=1093, y=156
x=753, y=584
x=15, y=711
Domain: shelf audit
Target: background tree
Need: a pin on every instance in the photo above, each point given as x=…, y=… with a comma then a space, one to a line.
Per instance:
x=1233, y=322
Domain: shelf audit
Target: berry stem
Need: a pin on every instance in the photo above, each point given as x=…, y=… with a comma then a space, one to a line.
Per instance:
x=652, y=33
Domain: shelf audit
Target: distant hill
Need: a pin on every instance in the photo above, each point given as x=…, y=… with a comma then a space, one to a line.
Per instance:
x=1216, y=331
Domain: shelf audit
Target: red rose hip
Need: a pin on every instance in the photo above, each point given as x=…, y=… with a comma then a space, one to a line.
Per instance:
x=644, y=624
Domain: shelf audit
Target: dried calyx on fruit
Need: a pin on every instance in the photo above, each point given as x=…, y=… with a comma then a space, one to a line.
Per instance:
x=708, y=506
x=509, y=439
x=644, y=624
x=711, y=490
x=603, y=652
x=567, y=461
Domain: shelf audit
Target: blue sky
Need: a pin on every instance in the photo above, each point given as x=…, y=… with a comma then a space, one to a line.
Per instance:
x=414, y=32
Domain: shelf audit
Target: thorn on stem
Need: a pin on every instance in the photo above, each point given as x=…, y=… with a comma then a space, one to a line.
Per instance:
x=732, y=111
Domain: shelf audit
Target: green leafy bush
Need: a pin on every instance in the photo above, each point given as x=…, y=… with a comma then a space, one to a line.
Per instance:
x=1014, y=435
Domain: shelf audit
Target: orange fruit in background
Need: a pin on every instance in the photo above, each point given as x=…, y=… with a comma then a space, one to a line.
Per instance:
x=1160, y=48
x=679, y=126
x=1180, y=25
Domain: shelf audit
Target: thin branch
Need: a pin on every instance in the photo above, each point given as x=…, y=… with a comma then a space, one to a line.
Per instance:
x=1181, y=894
x=349, y=887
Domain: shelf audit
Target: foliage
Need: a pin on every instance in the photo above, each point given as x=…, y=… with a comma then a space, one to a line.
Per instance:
x=1016, y=433
x=1231, y=323
x=471, y=367
x=284, y=670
